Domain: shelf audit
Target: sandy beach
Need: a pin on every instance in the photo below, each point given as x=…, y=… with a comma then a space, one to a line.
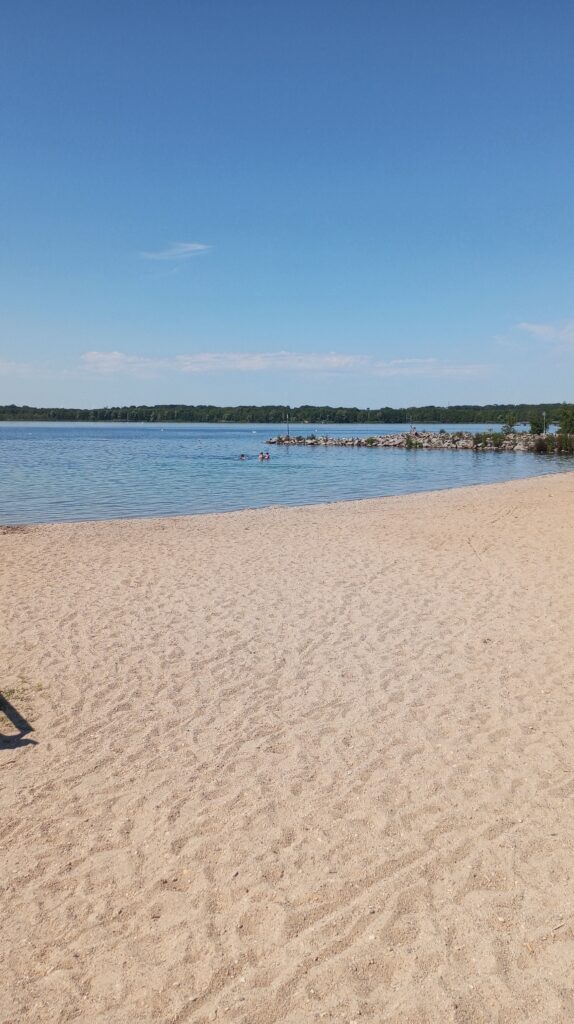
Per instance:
x=292, y=765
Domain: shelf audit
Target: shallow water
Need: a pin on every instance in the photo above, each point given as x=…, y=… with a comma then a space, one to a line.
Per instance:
x=53, y=472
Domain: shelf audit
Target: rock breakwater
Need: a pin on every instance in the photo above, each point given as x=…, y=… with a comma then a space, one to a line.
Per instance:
x=496, y=441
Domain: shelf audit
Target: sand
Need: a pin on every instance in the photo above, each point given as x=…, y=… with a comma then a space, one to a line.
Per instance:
x=292, y=765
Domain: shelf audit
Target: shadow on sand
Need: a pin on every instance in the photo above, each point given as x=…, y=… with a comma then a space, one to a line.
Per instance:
x=19, y=723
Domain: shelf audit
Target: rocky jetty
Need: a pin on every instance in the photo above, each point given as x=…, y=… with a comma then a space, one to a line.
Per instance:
x=426, y=439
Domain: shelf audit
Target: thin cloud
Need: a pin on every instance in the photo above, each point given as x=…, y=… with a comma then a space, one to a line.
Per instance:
x=428, y=368
x=9, y=368
x=214, y=362
x=111, y=363
x=209, y=362
x=176, y=252
x=559, y=334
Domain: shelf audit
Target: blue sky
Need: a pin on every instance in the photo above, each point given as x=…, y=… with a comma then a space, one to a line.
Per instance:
x=361, y=203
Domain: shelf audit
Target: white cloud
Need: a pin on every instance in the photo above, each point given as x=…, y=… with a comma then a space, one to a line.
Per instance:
x=560, y=334
x=252, y=362
x=176, y=252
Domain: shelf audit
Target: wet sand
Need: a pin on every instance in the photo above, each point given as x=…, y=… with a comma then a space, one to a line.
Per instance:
x=292, y=765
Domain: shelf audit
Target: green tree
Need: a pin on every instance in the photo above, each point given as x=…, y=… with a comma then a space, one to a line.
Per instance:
x=566, y=419
x=510, y=421
x=537, y=423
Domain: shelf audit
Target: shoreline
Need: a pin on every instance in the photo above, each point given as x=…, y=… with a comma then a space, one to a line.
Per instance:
x=292, y=763
x=8, y=528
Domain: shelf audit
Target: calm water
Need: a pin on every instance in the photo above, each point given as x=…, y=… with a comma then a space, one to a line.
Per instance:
x=56, y=472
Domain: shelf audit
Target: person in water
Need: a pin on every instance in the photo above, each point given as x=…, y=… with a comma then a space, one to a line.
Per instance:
x=261, y=457
x=242, y=457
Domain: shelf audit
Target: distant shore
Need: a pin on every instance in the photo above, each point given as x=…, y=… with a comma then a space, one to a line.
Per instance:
x=276, y=414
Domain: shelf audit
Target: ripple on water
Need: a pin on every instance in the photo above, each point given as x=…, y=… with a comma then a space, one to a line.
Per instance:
x=65, y=472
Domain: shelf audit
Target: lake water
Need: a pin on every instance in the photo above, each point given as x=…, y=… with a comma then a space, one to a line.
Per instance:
x=53, y=472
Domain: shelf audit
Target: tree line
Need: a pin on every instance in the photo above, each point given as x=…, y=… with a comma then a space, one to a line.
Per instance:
x=552, y=412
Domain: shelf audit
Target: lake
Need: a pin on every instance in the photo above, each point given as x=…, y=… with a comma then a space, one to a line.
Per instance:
x=56, y=472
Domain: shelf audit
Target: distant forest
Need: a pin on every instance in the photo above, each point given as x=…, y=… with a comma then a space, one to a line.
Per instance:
x=299, y=414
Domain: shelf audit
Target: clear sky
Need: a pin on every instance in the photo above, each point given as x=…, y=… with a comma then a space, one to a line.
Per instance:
x=249, y=201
